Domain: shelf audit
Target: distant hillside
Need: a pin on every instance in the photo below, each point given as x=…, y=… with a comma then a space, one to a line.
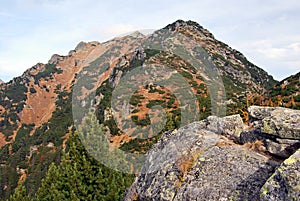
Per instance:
x=286, y=93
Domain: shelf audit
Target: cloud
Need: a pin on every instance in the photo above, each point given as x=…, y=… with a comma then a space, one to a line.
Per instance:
x=6, y=14
x=275, y=56
x=33, y=30
x=268, y=51
x=114, y=30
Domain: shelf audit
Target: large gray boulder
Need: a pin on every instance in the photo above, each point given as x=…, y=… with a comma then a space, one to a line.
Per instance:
x=284, y=184
x=224, y=159
x=195, y=163
x=280, y=122
x=259, y=113
x=161, y=172
x=226, y=173
x=278, y=128
x=231, y=126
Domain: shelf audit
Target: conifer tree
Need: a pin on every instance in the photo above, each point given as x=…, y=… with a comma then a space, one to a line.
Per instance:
x=19, y=194
x=80, y=177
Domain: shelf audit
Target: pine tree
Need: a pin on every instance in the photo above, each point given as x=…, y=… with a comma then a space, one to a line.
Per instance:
x=19, y=194
x=81, y=177
x=52, y=186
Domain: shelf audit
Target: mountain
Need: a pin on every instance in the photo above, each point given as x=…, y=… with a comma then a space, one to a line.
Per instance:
x=1, y=82
x=287, y=92
x=181, y=69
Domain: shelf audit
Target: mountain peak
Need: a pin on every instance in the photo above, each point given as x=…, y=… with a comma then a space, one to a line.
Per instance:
x=137, y=34
x=186, y=23
x=1, y=82
x=189, y=25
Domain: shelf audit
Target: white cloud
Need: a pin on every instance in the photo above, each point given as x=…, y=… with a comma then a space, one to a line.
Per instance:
x=114, y=30
x=269, y=51
x=264, y=30
x=6, y=14
x=278, y=58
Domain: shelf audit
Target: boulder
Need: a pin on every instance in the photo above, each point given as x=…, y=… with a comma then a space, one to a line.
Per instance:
x=277, y=121
x=278, y=128
x=226, y=173
x=223, y=159
x=283, y=123
x=195, y=163
x=259, y=113
x=282, y=147
x=231, y=126
x=284, y=184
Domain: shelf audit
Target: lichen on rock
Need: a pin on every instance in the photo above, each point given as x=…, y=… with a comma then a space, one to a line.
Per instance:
x=284, y=184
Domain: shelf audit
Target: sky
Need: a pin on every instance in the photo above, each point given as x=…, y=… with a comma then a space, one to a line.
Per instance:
x=31, y=31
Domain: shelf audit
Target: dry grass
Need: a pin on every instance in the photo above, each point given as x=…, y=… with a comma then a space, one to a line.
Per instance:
x=134, y=196
x=2, y=140
x=258, y=146
x=224, y=143
x=185, y=164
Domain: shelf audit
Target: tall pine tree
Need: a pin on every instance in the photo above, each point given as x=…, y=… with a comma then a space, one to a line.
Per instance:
x=81, y=177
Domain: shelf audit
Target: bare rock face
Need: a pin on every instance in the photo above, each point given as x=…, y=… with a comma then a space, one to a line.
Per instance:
x=278, y=128
x=283, y=123
x=259, y=113
x=284, y=184
x=55, y=59
x=226, y=173
x=212, y=160
x=82, y=46
x=278, y=121
x=231, y=126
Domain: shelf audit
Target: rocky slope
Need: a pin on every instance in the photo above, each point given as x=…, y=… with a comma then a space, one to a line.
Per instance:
x=36, y=116
x=221, y=78
x=223, y=159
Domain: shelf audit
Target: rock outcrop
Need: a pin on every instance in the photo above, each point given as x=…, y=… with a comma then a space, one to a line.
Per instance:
x=280, y=122
x=278, y=128
x=214, y=159
x=284, y=184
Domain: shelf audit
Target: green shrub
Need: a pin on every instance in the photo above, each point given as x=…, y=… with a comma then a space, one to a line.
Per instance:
x=297, y=98
x=136, y=99
x=50, y=69
x=114, y=130
x=32, y=90
x=135, y=111
x=186, y=75
x=156, y=102
x=286, y=100
x=142, y=122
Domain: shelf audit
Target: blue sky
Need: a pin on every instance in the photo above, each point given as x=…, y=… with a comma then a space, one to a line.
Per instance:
x=267, y=32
